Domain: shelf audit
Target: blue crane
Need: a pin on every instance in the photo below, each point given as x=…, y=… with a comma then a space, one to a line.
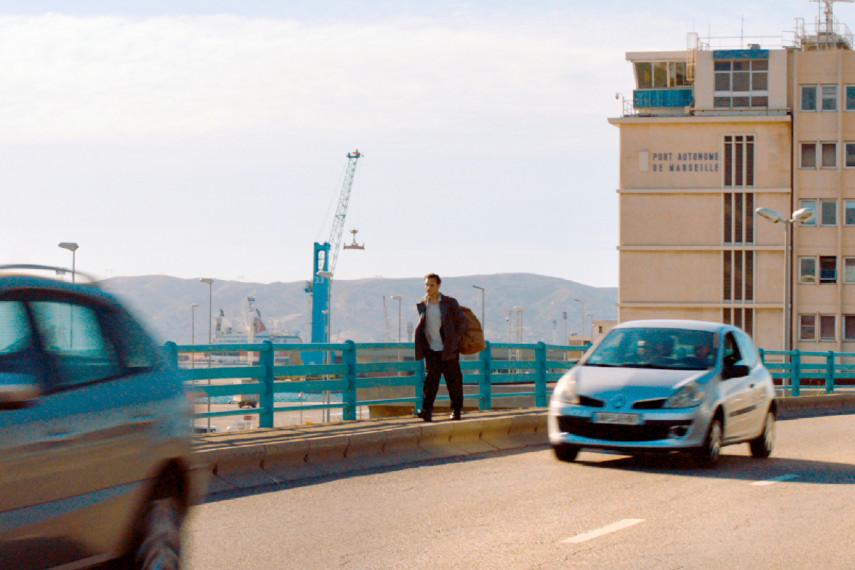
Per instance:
x=326, y=255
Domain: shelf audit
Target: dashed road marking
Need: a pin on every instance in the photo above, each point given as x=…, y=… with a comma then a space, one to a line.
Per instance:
x=773, y=480
x=590, y=535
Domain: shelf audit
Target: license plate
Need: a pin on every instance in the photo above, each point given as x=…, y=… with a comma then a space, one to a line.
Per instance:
x=620, y=419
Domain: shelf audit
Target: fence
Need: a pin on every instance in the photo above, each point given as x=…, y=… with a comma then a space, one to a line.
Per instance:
x=817, y=371
x=356, y=375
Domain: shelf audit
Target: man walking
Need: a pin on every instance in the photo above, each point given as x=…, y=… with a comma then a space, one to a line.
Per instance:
x=441, y=325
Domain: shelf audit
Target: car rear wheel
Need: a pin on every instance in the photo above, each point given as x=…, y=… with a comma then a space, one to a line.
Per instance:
x=762, y=445
x=708, y=455
x=159, y=543
x=565, y=452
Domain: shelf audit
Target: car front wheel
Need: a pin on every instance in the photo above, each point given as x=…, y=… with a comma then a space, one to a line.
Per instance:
x=159, y=543
x=707, y=456
x=762, y=445
x=565, y=452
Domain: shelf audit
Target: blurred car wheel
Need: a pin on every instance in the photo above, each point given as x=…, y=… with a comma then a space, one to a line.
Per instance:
x=707, y=456
x=762, y=446
x=564, y=452
x=159, y=544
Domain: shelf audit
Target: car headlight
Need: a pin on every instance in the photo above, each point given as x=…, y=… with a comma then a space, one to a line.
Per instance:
x=565, y=392
x=690, y=395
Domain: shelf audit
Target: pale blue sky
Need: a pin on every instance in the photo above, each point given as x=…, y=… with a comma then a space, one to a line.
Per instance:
x=209, y=138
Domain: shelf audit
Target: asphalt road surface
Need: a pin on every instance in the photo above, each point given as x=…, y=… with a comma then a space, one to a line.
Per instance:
x=527, y=510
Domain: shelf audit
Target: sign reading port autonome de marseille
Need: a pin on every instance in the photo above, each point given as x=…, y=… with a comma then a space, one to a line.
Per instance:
x=685, y=161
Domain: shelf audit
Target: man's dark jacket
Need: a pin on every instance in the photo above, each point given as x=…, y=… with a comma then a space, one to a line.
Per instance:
x=451, y=330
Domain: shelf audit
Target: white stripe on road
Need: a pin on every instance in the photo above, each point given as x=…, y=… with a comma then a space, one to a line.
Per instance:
x=773, y=480
x=614, y=527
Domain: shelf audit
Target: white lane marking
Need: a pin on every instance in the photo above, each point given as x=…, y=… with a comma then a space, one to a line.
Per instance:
x=773, y=480
x=590, y=535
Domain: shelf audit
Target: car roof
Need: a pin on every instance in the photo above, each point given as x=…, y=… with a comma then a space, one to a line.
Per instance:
x=686, y=324
x=17, y=282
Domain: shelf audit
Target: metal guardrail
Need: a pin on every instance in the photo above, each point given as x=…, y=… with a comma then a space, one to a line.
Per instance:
x=264, y=370
x=823, y=371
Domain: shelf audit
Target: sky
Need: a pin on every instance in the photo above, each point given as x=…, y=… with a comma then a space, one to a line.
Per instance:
x=209, y=138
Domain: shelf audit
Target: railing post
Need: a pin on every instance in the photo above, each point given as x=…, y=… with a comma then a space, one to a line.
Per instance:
x=171, y=350
x=265, y=417
x=796, y=373
x=829, y=372
x=349, y=395
x=540, y=378
x=485, y=384
x=762, y=352
x=419, y=380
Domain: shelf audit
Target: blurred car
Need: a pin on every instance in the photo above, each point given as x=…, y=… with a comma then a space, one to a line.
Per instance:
x=662, y=386
x=95, y=432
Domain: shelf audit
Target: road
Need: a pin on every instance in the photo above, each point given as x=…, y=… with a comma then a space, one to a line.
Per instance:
x=527, y=510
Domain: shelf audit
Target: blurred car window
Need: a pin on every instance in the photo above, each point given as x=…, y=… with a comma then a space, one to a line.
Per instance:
x=137, y=351
x=731, y=350
x=72, y=336
x=676, y=349
x=15, y=333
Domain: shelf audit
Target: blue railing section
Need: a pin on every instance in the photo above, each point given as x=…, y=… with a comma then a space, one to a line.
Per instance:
x=819, y=371
x=265, y=370
x=647, y=98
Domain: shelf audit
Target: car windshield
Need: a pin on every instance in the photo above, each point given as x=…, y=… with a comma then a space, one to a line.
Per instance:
x=675, y=349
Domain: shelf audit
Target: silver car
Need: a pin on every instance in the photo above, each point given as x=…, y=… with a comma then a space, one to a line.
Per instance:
x=662, y=386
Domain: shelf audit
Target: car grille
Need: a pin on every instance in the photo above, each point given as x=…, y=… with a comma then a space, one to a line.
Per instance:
x=591, y=402
x=650, y=430
x=649, y=404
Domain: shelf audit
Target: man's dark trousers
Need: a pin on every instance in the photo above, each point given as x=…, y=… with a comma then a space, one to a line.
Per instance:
x=450, y=369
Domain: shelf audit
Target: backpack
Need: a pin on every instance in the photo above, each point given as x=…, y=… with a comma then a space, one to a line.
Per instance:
x=472, y=339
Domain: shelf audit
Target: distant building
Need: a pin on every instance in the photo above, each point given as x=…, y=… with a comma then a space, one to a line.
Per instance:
x=713, y=134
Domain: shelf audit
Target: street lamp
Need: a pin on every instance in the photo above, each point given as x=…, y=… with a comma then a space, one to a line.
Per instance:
x=193, y=308
x=583, y=314
x=798, y=217
x=398, y=298
x=210, y=283
x=72, y=247
x=483, y=318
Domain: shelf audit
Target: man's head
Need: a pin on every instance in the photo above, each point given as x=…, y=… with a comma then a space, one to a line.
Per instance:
x=432, y=283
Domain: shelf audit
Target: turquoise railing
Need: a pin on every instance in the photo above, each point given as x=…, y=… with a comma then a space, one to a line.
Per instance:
x=502, y=370
x=822, y=371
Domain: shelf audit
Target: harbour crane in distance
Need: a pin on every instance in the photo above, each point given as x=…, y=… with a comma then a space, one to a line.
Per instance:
x=326, y=255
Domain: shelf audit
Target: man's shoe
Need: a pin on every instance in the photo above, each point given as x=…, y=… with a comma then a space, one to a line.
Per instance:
x=454, y=416
x=425, y=415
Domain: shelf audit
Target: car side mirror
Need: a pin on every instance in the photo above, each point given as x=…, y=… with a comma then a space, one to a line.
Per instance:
x=18, y=390
x=734, y=371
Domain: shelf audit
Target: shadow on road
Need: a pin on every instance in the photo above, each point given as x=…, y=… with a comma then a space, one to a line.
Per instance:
x=734, y=467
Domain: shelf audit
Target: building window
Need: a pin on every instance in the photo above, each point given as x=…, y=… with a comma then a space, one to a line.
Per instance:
x=849, y=269
x=848, y=327
x=827, y=328
x=850, y=97
x=807, y=327
x=829, y=97
x=809, y=205
x=827, y=269
x=850, y=155
x=739, y=160
x=829, y=155
x=808, y=98
x=660, y=74
x=738, y=276
x=808, y=155
x=741, y=84
x=828, y=212
x=849, y=215
x=740, y=317
x=739, y=217
x=807, y=270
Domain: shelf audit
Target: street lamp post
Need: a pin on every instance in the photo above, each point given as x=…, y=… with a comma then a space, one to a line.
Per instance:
x=483, y=317
x=398, y=298
x=193, y=308
x=72, y=247
x=799, y=216
x=583, y=315
x=564, y=316
x=210, y=282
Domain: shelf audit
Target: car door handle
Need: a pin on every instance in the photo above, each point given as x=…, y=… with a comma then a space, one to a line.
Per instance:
x=142, y=419
x=751, y=385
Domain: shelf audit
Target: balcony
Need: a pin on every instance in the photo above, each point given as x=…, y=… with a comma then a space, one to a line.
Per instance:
x=662, y=98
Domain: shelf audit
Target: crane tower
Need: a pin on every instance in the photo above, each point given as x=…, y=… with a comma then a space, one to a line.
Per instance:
x=326, y=256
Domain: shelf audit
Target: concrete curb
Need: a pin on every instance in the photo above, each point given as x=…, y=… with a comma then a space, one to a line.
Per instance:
x=263, y=457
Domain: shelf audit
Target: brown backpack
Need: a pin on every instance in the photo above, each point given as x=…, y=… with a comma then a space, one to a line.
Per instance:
x=472, y=340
